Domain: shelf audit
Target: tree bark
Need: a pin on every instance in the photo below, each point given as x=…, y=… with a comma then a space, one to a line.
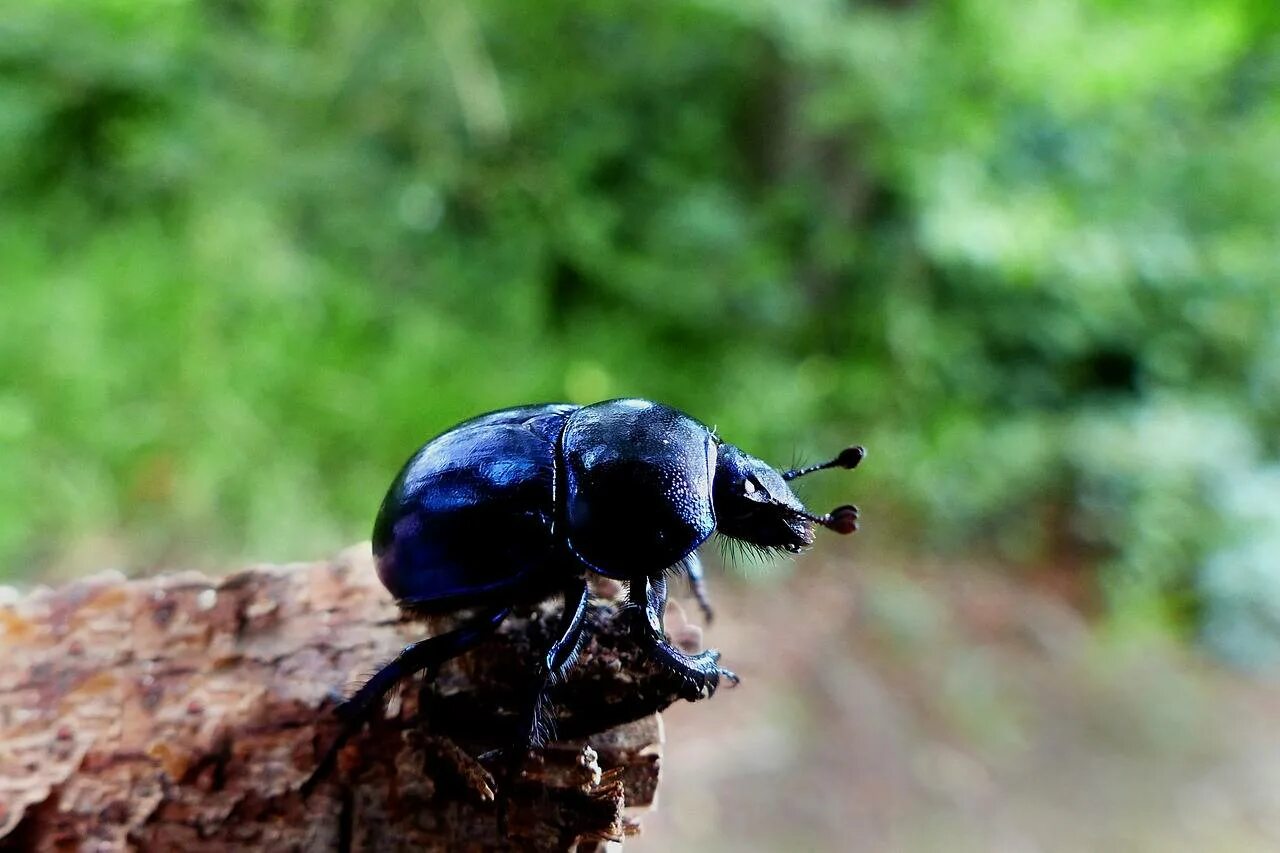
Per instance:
x=184, y=712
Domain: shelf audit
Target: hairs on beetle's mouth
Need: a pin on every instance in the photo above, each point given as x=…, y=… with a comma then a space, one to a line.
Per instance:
x=735, y=550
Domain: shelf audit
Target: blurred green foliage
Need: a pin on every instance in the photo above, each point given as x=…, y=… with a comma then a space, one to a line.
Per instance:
x=253, y=253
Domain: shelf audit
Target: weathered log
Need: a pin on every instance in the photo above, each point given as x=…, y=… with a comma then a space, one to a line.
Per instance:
x=184, y=712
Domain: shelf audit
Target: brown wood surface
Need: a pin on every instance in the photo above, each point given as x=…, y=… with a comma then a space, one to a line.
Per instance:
x=184, y=712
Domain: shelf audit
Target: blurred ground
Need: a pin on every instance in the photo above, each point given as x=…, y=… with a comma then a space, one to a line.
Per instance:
x=953, y=708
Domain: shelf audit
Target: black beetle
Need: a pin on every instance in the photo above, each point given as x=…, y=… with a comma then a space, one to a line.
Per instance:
x=521, y=504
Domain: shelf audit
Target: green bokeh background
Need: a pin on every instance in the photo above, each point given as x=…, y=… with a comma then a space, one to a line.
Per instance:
x=253, y=253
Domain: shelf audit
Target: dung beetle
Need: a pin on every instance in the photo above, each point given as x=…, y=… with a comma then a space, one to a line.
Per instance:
x=522, y=504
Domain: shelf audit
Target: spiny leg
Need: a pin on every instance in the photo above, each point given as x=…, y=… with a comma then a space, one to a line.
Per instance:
x=428, y=654
x=551, y=669
x=698, y=585
x=701, y=672
x=558, y=659
x=573, y=623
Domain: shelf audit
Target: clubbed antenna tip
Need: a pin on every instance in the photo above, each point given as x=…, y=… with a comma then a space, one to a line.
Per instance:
x=842, y=519
x=850, y=457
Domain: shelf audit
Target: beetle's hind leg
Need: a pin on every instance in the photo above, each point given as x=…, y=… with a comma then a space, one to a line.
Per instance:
x=702, y=672
x=427, y=654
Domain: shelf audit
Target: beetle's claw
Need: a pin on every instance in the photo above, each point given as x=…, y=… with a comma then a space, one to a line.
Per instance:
x=706, y=686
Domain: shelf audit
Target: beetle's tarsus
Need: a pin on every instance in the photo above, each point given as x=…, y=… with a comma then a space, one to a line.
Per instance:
x=703, y=685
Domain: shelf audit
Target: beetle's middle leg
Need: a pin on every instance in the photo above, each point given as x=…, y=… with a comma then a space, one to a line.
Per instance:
x=701, y=672
x=570, y=633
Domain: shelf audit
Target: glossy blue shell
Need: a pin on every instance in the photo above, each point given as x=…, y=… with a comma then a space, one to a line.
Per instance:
x=522, y=497
x=473, y=511
x=638, y=481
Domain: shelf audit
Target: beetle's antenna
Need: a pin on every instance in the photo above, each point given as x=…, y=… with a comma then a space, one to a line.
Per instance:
x=842, y=519
x=848, y=458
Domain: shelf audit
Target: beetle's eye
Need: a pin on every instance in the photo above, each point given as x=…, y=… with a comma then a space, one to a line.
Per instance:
x=748, y=487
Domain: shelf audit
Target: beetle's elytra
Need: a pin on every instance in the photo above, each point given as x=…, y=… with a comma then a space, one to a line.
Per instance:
x=523, y=504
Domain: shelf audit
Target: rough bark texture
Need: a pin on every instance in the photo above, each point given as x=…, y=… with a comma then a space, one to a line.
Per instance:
x=184, y=712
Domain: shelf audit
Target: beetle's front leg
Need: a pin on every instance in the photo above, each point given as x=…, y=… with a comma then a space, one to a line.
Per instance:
x=701, y=672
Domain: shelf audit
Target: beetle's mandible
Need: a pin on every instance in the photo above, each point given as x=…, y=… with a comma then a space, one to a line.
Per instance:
x=522, y=504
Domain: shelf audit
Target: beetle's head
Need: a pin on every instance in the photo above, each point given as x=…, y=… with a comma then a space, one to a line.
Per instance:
x=754, y=503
